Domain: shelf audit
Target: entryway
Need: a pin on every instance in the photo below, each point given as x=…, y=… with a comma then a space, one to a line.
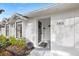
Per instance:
x=44, y=32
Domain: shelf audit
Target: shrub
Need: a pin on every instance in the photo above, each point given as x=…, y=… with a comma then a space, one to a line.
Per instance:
x=21, y=42
x=3, y=41
x=12, y=40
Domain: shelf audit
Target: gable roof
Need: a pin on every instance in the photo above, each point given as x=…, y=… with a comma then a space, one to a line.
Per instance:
x=16, y=16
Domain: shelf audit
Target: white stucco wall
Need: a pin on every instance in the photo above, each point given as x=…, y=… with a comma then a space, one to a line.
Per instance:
x=30, y=30
x=76, y=32
x=3, y=31
x=66, y=34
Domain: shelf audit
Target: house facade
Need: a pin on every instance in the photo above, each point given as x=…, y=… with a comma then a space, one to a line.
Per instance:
x=56, y=24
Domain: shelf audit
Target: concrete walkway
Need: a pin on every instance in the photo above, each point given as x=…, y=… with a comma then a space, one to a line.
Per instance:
x=56, y=51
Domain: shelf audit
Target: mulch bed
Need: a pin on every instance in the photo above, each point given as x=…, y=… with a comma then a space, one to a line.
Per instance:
x=14, y=51
x=4, y=52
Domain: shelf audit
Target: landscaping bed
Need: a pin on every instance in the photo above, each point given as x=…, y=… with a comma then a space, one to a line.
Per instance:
x=4, y=52
x=14, y=47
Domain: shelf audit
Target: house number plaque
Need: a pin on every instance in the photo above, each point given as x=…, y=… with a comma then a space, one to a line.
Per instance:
x=60, y=23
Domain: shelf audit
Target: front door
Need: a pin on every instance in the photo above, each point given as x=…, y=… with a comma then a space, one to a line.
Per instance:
x=43, y=32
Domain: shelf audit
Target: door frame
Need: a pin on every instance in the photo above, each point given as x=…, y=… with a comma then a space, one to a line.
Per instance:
x=49, y=18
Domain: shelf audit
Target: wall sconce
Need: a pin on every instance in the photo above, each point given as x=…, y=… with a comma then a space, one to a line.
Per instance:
x=48, y=25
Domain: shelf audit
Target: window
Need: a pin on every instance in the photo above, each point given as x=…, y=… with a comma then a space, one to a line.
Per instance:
x=7, y=30
x=18, y=29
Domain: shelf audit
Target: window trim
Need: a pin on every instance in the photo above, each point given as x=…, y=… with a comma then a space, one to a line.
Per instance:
x=7, y=29
x=20, y=22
